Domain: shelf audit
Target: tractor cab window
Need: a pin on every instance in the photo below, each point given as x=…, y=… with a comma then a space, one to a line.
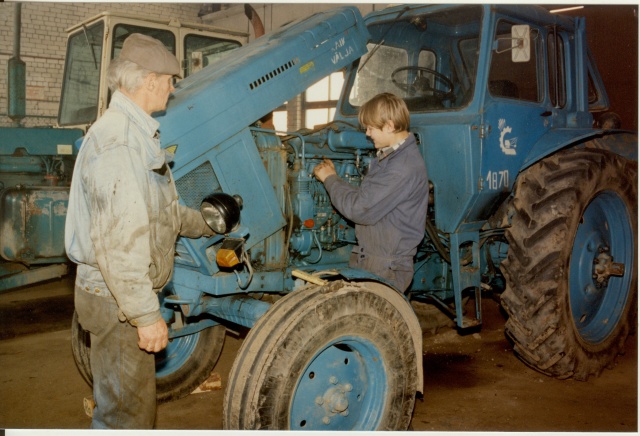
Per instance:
x=556, y=67
x=596, y=95
x=376, y=72
x=514, y=74
x=122, y=31
x=201, y=51
x=81, y=82
x=423, y=60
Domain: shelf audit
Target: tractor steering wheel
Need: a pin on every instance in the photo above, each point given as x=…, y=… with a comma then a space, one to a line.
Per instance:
x=422, y=86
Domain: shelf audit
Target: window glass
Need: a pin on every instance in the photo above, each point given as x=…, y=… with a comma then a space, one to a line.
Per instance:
x=280, y=120
x=201, y=51
x=320, y=100
x=425, y=60
x=375, y=71
x=122, y=31
x=81, y=82
x=508, y=79
x=316, y=117
x=555, y=60
x=593, y=96
x=469, y=50
x=326, y=89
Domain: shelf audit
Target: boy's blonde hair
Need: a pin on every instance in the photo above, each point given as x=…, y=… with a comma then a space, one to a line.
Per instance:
x=382, y=108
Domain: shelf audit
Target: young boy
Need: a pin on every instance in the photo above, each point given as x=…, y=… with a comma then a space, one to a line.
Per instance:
x=389, y=207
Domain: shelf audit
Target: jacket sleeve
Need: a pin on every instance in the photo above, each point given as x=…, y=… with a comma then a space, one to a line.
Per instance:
x=372, y=200
x=115, y=183
x=193, y=224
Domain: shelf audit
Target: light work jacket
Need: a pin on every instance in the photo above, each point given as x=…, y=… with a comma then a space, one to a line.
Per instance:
x=123, y=216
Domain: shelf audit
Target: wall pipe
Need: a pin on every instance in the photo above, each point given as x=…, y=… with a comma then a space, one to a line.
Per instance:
x=17, y=26
x=17, y=73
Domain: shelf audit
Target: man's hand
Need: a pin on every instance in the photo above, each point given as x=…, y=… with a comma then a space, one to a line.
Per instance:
x=324, y=169
x=154, y=337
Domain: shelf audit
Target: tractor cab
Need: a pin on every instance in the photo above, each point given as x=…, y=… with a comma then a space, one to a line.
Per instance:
x=490, y=90
x=443, y=58
x=94, y=42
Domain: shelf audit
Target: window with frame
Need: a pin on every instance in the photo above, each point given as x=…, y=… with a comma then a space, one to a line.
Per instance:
x=201, y=51
x=122, y=31
x=81, y=82
x=555, y=61
x=280, y=119
x=516, y=80
x=375, y=71
x=316, y=106
x=320, y=100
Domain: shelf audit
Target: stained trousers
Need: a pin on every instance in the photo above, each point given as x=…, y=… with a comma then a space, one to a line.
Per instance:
x=124, y=381
x=397, y=270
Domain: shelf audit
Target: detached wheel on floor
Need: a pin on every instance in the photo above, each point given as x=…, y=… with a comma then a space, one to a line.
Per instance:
x=180, y=368
x=337, y=357
x=572, y=264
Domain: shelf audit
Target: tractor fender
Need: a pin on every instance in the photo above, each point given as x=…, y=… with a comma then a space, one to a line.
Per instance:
x=621, y=142
x=404, y=307
x=359, y=275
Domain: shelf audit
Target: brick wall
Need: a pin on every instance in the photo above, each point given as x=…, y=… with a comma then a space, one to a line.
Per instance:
x=43, y=44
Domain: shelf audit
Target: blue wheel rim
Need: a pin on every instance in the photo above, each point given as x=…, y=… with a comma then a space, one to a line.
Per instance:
x=344, y=386
x=178, y=351
x=604, y=232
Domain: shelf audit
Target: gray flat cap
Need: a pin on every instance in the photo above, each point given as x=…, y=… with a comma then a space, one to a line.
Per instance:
x=149, y=53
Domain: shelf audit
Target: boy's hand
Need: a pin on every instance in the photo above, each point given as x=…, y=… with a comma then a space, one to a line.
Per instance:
x=324, y=169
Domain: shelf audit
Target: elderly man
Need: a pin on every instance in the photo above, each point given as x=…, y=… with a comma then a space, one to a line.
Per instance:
x=121, y=228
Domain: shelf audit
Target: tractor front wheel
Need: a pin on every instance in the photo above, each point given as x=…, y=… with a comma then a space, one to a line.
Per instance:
x=337, y=357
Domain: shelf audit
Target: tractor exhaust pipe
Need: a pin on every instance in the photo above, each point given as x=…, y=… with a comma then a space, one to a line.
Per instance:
x=254, y=18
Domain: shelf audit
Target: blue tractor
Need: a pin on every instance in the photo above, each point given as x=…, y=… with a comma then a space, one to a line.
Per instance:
x=528, y=200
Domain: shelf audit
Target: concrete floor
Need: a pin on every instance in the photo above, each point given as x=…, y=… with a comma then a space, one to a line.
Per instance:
x=472, y=382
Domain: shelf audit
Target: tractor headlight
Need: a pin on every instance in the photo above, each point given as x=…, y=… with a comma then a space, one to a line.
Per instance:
x=221, y=212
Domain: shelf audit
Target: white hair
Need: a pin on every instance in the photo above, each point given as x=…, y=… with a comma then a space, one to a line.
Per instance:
x=126, y=75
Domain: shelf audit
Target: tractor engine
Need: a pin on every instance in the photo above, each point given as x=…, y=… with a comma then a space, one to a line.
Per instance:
x=314, y=231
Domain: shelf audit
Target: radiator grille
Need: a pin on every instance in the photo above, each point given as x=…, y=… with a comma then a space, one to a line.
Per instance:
x=194, y=186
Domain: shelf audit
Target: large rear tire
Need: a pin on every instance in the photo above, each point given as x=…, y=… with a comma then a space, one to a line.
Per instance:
x=180, y=368
x=338, y=357
x=572, y=264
